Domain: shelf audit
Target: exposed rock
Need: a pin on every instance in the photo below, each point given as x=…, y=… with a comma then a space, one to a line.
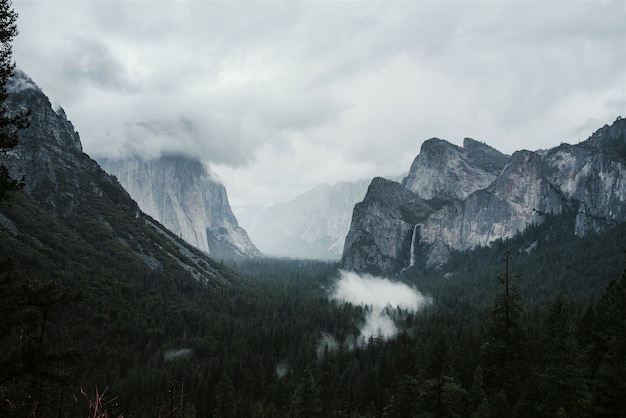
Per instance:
x=189, y=200
x=443, y=169
x=382, y=227
x=492, y=201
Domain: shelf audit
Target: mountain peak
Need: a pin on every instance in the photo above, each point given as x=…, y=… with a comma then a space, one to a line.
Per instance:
x=446, y=170
x=610, y=138
x=45, y=123
x=20, y=81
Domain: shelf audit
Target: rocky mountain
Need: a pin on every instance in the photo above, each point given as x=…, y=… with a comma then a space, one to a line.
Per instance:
x=72, y=216
x=188, y=199
x=469, y=197
x=313, y=225
x=464, y=170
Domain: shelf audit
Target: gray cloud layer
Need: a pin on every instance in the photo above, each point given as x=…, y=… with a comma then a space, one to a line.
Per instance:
x=279, y=96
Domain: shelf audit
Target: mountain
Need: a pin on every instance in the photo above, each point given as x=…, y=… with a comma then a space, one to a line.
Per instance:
x=72, y=216
x=313, y=225
x=472, y=196
x=188, y=199
x=444, y=169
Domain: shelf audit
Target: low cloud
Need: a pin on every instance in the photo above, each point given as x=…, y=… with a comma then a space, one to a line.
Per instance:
x=172, y=355
x=282, y=369
x=382, y=297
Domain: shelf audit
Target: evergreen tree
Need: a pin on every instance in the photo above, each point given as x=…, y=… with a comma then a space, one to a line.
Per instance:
x=9, y=124
x=609, y=346
x=29, y=368
x=307, y=402
x=563, y=379
x=504, y=356
x=224, y=398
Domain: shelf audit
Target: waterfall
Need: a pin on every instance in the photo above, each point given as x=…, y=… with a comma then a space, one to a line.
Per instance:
x=412, y=255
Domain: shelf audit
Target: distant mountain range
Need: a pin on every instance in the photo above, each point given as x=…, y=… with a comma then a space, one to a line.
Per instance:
x=459, y=198
x=313, y=225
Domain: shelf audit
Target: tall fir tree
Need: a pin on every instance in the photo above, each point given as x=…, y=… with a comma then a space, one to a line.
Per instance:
x=609, y=348
x=10, y=124
x=504, y=356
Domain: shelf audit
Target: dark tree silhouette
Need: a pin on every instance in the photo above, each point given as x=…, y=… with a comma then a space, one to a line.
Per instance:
x=10, y=125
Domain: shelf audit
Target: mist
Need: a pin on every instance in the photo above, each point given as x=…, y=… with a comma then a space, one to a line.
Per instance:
x=172, y=355
x=381, y=296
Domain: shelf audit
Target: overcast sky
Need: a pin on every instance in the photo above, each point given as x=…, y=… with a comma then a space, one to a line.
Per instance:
x=277, y=97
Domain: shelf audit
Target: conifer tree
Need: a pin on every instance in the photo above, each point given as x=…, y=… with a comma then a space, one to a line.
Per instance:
x=609, y=346
x=563, y=380
x=504, y=356
x=307, y=402
x=9, y=124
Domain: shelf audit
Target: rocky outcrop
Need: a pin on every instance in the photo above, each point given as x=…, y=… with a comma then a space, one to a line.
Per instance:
x=444, y=169
x=491, y=201
x=49, y=153
x=188, y=199
x=381, y=232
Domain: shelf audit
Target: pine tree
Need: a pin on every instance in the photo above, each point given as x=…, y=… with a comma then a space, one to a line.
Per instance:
x=609, y=346
x=224, y=398
x=504, y=356
x=307, y=402
x=9, y=124
x=563, y=379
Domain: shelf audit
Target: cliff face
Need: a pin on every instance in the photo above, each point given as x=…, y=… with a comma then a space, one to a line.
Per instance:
x=491, y=200
x=49, y=153
x=79, y=206
x=443, y=169
x=188, y=200
x=380, y=235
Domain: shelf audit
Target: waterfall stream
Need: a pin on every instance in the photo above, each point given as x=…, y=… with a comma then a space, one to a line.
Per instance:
x=412, y=255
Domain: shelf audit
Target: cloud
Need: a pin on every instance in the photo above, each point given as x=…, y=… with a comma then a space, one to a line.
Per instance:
x=282, y=368
x=327, y=343
x=253, y=87
x=172, y=355
x=381, y=296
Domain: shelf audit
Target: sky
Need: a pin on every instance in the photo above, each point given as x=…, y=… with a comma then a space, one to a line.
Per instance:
x=277, y=97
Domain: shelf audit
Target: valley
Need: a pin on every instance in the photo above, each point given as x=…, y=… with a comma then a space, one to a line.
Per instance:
x=480, y=284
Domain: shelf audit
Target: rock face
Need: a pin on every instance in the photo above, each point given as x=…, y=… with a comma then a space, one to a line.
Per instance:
x=381, y=232
x=443, y=169
x=49, y=150
x=492, y=197
x=189, y=200
x=313, y=225
x=85, y=202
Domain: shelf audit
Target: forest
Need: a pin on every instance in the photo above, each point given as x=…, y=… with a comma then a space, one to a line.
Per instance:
x=157, y=346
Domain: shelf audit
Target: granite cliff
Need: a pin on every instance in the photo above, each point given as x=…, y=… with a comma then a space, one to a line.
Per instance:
x=477, y=195
x=188, y=199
